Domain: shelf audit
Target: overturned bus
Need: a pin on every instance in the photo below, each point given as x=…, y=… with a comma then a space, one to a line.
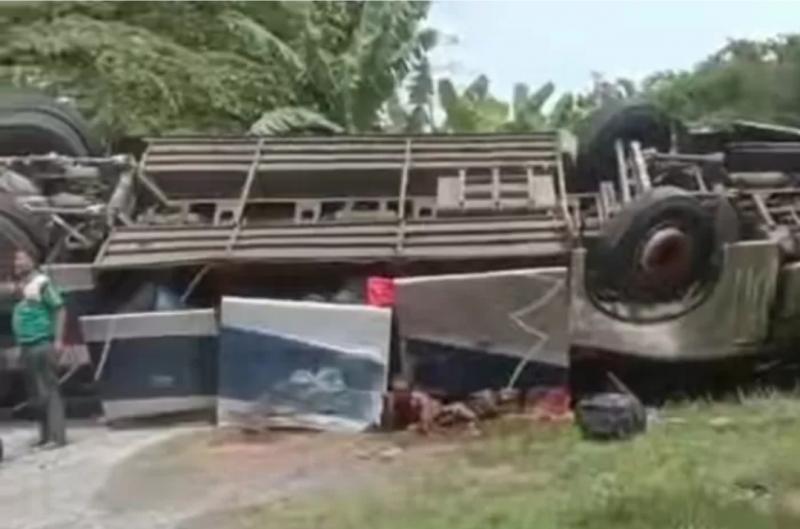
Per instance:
x=509, y=259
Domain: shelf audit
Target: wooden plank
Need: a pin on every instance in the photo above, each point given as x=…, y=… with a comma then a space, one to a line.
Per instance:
x=166, y=150
x=339, y=156
x=365, y=138
x=367, y=229
x=196, y=168
x=263, y=255
x=417, y=164
x=232, y=148
x=354, y=166
x=158, y=260
x=116, y=248
x=483, y=251
x=158, y=159
x=317, y=254
x=484, y=238
x=366, y=254
x=212, y=245
x=435, y=227
x=496, y=237
x=489, y=160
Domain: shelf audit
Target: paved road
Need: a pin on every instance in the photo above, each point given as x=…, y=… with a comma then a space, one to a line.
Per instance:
x=49, y=489
x=173, y=477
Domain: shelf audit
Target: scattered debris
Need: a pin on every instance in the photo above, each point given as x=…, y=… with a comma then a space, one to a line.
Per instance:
x=550, y=405
x=608, y=416
x=423, y=413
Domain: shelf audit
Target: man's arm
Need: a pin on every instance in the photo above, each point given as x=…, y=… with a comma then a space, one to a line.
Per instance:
x=56, y=303
x=61, y=324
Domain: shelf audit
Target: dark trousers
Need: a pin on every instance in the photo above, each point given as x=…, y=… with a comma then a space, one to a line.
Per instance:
x=43, y=391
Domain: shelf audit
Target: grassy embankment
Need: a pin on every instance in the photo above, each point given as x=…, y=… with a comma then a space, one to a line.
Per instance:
x=701, y=466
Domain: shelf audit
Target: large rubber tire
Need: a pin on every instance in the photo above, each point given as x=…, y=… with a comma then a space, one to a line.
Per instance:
x=596, y=159
x=23, y=133
x=614, y=261
x=32, y=123
x=22, y=228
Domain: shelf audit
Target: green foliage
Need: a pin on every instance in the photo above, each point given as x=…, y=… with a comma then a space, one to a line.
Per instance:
x=757, y=80
x=421, y=87
x=289, y=120
x=218, y=67
x=474, y=110
x=477, y=110
x=528, y=112
x=156, y=67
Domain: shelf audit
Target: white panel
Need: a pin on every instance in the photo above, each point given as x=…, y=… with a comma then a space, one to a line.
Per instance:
x=354, y=329
x=149, y=324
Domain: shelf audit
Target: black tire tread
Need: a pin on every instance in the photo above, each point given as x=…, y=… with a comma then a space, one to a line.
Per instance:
x=596, y=159
x=614, y=256
x=17, y=101
x=24, y=221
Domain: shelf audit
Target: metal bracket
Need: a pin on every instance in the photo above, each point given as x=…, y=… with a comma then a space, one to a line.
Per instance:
x=401, y=206
x=643, y=176
x=149, y=184
x=622, y=172
x=248, y=184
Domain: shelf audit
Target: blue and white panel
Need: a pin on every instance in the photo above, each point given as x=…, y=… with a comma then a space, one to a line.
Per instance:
x=302, y=364
x=155, y=363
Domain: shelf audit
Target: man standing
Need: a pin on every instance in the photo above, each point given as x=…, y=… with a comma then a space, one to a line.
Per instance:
x=38, y=325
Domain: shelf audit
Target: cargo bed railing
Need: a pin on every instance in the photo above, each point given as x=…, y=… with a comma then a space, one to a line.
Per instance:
x=350, y=197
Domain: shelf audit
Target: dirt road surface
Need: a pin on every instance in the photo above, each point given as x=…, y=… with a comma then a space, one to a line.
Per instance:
x=173, y=477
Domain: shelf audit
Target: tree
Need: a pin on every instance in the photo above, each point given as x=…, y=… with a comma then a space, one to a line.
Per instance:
x=757, y=80
x=474, y=110
x=527, y=109
x=156, y=67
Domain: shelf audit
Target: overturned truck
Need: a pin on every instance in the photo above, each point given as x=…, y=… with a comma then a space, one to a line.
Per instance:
x=509, y=259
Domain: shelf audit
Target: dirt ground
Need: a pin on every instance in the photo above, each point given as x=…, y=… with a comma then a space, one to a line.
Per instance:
x=731, y=464
x=183, y=476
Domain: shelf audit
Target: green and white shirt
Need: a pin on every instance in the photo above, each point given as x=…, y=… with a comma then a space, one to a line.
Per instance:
x=34, y=317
